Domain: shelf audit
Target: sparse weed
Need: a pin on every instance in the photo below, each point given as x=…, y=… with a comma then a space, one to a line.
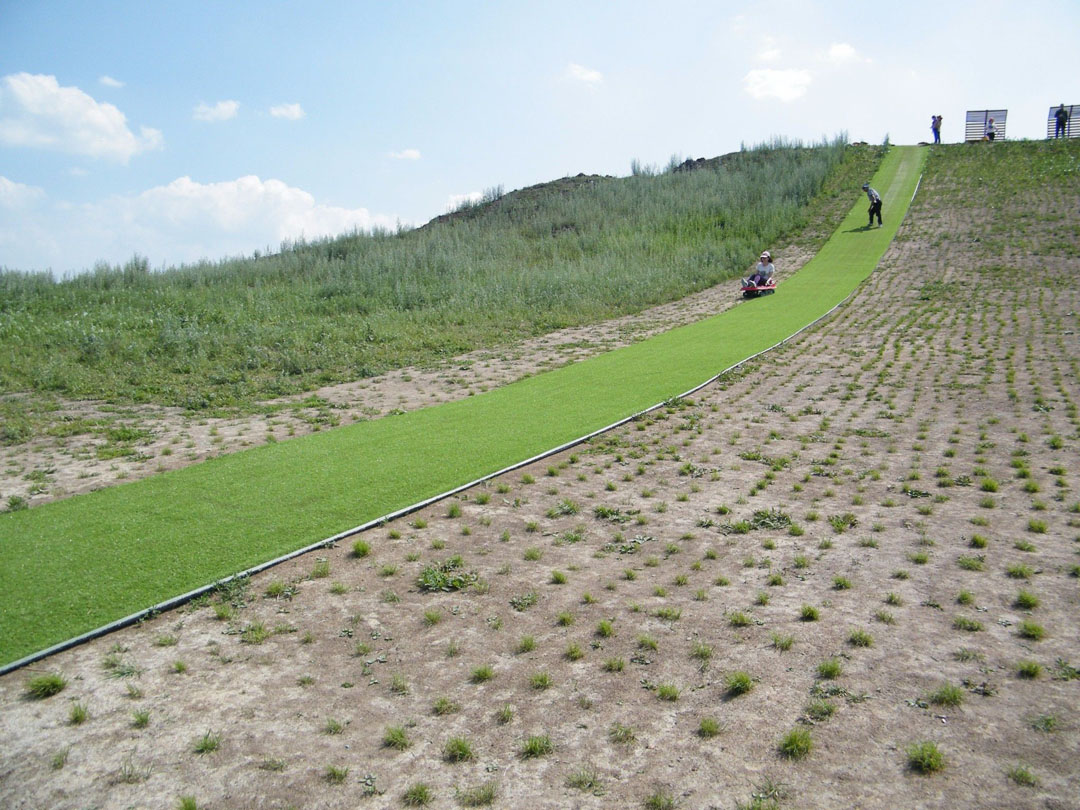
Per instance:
x=44, y=686
x=539, y=745
x=738, y=682
x=418, y=794
x=925, y=757
x=830, y=668
x=796, y=744
x=458, y=749
x=207, y=743
x=395, y=737
x=623, y=735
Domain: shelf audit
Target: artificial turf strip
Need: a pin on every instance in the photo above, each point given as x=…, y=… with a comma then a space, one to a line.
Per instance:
x=70, y=566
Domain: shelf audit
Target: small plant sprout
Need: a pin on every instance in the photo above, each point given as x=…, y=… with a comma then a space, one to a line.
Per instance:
x=78, y=714
x=482, y=674
x=796, y=744
x=860, y=638
x=505, y=714
x=1026, y=600
x=820, y=710
x=586, y=778
x=947, y=695
x=709, y=727
x=738, y=683
x=419, y=794
x=1029, y=669
x=481, y=795
x=667, y=691
x=1033, y=631
x=44, y=686
x=60, y=758
x=335, y=774
x=925, y=757
x=398, y=684
x=1022, y=776
x=443, y=706
x=207, y=743
x=623, y=735
x=780, y=642
x=458, y=749
x=830, y=668
x=738, y=618
x=539, y=745
x=701, y=652
x=660, y=799
x=540, y=681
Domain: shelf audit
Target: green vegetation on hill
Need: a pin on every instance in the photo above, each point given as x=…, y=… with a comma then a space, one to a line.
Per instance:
x=72, y=565
x=225, y=335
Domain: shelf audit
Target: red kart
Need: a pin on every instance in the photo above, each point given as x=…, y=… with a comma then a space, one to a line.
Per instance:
x=750, y=289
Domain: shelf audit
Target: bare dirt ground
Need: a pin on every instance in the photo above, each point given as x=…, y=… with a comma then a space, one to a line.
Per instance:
x=51, y=467
x=893, y=492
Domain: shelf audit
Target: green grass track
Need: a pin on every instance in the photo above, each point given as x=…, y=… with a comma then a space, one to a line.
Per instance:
x=74, y=565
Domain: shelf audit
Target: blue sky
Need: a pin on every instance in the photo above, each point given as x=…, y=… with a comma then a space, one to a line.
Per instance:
x=188, y=130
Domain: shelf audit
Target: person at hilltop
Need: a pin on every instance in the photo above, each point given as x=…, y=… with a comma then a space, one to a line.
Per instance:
x=935, y=127
x=763, y=272
x=991, y=130
x=1061, y=122
x=875, y=204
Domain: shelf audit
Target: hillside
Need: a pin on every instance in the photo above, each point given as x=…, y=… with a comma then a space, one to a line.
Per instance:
x=228, y=335
x=845, y=576
x=126, y=373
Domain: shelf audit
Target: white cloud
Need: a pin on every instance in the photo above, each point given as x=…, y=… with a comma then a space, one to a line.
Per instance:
x=37, y=112
x=455, y=201
x=183, y=221
x=16, y=195
x=785, y=85
x=109, y=81
x=841, y=53
x=222, y=111
x=406, y=154
x=292, y=112
x=767, y=49
x=580, y=73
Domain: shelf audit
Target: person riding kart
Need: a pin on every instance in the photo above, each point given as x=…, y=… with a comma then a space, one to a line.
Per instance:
x=762, y=273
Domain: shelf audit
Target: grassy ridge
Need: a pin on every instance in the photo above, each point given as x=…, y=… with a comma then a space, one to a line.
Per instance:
x=577, y=251
x=73, y=565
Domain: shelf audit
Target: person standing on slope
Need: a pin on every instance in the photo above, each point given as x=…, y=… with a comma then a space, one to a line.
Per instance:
x=875, y=204
x=935, y=127
x=1061, y=122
